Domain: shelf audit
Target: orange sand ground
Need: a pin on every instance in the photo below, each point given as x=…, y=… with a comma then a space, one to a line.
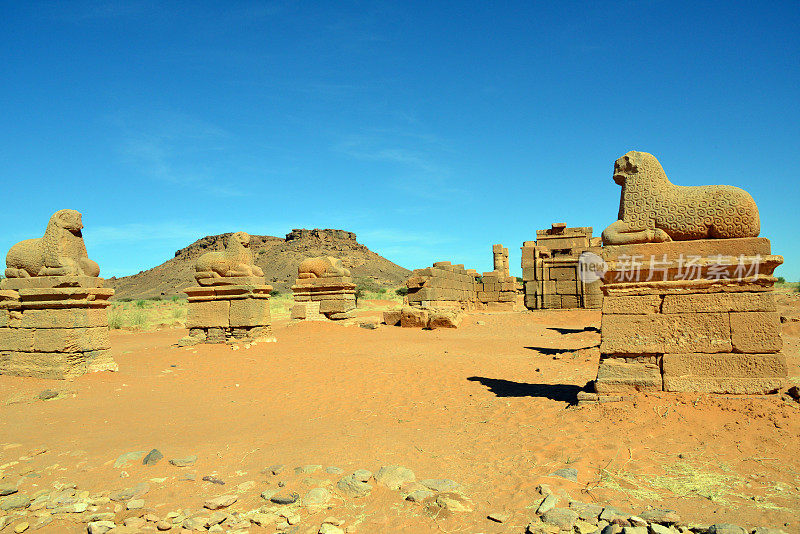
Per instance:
x=489, y=405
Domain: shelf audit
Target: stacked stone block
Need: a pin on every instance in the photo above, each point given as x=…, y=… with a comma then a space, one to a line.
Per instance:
x=54, y=332
x=237, y=310
x=691, y=316
x=443, y=285
x=331, y=297
x=324, y=289
x=231, y=300
x=551, y=269
x=53, y=321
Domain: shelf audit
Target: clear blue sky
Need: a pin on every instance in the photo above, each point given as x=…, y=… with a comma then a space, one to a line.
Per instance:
x=431, y=129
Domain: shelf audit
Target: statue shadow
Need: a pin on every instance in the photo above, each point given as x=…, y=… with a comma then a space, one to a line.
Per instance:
x=550, y=351
x=506, y=388
x=565, y=331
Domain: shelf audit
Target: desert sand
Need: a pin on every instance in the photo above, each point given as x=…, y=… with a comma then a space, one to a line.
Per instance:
x=491, y=405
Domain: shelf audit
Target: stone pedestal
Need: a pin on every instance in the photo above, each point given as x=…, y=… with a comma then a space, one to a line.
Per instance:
x=54, y=326
x=331, y=297
x=690, y=316
x=223, y=312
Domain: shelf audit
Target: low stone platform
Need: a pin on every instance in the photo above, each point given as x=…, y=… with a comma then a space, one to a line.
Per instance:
x=54, y=332
x=691, y=316
x=223, y=313
x=327, y=297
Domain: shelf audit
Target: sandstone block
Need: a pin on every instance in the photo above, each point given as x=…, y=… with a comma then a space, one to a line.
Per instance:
x=570, y=301
x=568, y=287
x=392, y=317
x=298, y=311
x=662, y=333
x=563, y=273
x=249, y=312
x=616, y=375
x=207, y=314
x=55, y=365
x=4, y=318
x=16, y=339
x=335, y=306
x=551, y=300
x=444, y=319
x=412, y=317
x=724, y=373
x=70, y=339
x=719, y=302
x=65, y=318
x=632, y=304
x=756, y=332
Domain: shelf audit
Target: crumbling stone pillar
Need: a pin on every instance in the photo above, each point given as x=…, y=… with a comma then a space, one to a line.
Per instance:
x=53, y=321
x=323, y=290
x=231, y=301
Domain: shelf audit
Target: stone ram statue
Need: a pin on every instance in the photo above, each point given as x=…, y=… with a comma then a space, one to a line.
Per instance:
x=652, y=210
x=235, y=260
x=321, y=267
x=60, y=252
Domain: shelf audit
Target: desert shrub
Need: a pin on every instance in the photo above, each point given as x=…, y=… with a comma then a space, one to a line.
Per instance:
x=175, y=298
x=178, y=313
x=382, y=291
x=125, y=299
x=797, y=287
x=138, y=318
x=156, y=298
x=115, y=319
x=141, y=303
x=781, y=280
x=274, y=293
x=401, y=291
x=519, y=278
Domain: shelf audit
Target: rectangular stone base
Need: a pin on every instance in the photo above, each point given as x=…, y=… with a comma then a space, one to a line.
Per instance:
x=323, y=298
x=215, y=335
x=54, y=328
x=220, y=313
x=711, y=333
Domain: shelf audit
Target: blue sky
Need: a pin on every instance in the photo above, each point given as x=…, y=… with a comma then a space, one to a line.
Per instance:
x=431, y=129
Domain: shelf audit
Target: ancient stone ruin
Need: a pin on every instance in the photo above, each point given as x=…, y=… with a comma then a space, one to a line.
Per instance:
x=231, y=300
x=324, y=289
x=437, y=294
x=53, y=321
x=551, y=269
x=688, y=293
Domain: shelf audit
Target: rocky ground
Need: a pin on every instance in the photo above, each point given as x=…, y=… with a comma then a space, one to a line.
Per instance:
x=337, y=428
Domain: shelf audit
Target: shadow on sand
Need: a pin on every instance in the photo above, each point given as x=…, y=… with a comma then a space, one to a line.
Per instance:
x=549, y=351
x=565, y=331
x=506, y=388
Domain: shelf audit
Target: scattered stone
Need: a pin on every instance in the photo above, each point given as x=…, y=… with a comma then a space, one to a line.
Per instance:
x=123, y=459
x=164, y=525
x=726, y=528
x=317, y=497
x=584, y=527
x=14, y=502
x=394, y=476
x=544, y=489
x=21, y=527
x=276, y=469
x=48, y=394
x=499, y=517
x=103, y=516
x=195, y=523
x=419, y=495
x=213, y=480
x=134, y=522
x=637, y=521
x=765, y=530
x=223, y=501
x=634, y=530
x=153, y=457
x=368, y=326
x=7, y=489
x=284, y=498
x=217, y=517
x=454, y=502
x=135, y=504
x=563, y=518
x=268, y=493
x=548, y=504
x=610, y=514
x=305, y=469
x=327, y=528
x=334, y=470
x=101, y=527
x=660, y=516
x=440, y=484
x=655, y=528
x=184, y=462
x=244, y=487
x=191, y=476
x=567, y=473
x=586, y=511
x=362, y=474
x=353, y=486
x=130, y=493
